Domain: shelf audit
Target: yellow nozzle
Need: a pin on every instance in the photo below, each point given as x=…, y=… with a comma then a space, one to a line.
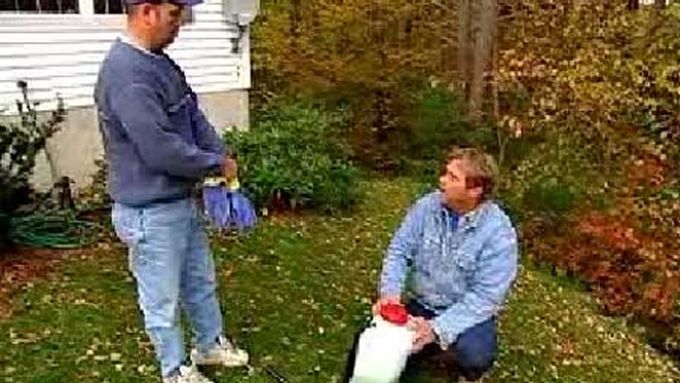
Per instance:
x=217, y=181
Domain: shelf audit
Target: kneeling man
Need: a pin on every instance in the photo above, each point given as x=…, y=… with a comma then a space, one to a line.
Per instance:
x=460, y=250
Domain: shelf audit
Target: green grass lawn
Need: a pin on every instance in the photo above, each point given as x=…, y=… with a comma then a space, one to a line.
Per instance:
x=294, y=291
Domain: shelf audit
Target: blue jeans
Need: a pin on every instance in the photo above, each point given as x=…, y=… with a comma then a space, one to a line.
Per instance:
x=171, y=261
x=474, y=351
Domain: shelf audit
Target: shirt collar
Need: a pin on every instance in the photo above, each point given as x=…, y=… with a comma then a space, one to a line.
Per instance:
x=469, y=220
x=125, y=38
x=472, y=218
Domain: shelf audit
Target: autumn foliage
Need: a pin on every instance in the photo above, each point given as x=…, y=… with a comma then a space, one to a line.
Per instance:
x=601, y=85
x=581, y=105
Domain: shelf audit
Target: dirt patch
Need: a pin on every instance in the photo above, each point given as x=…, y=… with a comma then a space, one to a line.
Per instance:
x=19, y=267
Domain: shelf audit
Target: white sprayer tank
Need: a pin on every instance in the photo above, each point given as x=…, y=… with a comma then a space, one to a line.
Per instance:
x=383, y=347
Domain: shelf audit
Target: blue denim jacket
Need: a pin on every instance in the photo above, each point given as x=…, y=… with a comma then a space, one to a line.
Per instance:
x=462, y=267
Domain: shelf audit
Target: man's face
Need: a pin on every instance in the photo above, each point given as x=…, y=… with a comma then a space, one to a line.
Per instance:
x=164, y=20
x=453, y=185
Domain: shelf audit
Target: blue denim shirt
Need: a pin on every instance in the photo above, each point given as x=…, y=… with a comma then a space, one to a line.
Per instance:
x=462, y=267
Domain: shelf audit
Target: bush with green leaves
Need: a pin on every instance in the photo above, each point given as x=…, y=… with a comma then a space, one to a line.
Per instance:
x=21, y=140
x=294, y=156
x=558, y=175
x=435, y=122
x=432, y=122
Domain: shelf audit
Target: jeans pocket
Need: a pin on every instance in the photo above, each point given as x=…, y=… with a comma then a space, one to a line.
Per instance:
x=128, y=225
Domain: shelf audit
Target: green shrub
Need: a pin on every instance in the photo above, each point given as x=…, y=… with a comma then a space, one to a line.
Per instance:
x=432, y=123
x=20, y=143
x=435, y=123
x=552, y=197
x=295, y=156
x=558, y=175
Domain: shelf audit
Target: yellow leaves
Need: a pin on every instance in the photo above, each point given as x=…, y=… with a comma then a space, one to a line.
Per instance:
x=599, y=65
x=513, y=125
x=669, y=79
x=327, y=43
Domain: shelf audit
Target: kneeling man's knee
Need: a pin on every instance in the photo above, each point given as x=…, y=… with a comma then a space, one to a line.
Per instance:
x=476, y=350
x=474, y=362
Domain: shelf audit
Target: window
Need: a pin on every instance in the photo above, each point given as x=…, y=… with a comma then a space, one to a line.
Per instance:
x=105, y=7
x=108, y=7
x=40, y=6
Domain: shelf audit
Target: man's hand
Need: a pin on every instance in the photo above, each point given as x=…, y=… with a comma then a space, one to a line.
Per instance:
x=424, y=333
x=229, y=168
x=394, y=299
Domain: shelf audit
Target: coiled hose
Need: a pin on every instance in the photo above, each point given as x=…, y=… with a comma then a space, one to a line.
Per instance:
x=59, y=230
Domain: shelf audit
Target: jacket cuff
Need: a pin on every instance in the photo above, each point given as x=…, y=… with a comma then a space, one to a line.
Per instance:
x=389, y=291
x=444, y=336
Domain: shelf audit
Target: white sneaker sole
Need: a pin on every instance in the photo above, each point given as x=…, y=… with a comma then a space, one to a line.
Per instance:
x=201, y=361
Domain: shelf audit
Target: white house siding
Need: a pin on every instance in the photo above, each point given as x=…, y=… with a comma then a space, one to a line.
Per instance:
x=61, y=54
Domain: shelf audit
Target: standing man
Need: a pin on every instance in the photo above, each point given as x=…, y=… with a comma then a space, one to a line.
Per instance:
x=460, y=250
x=158, y=144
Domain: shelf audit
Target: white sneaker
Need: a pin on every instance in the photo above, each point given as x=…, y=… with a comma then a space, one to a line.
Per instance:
x=187, y=374
x=224, y=353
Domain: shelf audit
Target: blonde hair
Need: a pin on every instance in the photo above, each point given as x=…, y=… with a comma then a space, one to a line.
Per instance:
x=481, y=169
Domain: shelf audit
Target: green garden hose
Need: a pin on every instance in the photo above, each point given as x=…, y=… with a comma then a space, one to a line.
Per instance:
x=56, y=230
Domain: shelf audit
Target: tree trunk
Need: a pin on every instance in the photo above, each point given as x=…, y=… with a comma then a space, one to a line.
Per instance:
x=484, y=28
x=464, y=47
x=500, y=137
x=661, y=4
x=633, y=5
x=295, y=19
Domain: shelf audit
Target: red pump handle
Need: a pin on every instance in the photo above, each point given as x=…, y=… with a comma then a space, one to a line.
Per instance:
x=394, y=313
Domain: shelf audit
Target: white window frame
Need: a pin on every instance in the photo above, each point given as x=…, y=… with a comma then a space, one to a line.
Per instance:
x=85, y=8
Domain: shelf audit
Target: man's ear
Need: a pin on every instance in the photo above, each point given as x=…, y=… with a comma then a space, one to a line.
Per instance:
x=187, y=15
x=147, y=10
